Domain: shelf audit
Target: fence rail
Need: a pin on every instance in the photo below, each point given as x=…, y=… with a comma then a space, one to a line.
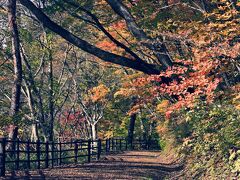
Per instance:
x=18, y=155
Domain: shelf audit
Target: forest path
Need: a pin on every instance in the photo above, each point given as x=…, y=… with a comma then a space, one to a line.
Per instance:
x=125, y=165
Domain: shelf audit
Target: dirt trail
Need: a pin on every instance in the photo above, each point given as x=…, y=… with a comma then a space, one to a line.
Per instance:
x=127, y=165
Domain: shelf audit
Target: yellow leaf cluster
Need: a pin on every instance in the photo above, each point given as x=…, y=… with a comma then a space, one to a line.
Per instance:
x=162, y=107
x=106, y=134
x=135, y=109
x=132, y=76
x=3, y=11
x=236, y=102
x=100, y=2
x=1, y=133
x=162, y=128
x=124, y=92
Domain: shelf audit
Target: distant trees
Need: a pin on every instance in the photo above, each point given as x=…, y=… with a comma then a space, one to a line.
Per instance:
x=90, y=97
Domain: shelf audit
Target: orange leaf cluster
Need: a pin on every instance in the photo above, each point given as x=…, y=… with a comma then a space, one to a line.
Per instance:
x=99, y=93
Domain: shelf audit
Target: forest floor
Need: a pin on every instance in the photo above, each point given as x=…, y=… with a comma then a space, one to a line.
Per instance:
x=125, y=165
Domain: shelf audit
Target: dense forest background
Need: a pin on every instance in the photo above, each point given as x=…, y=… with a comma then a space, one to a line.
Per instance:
x=165, y=69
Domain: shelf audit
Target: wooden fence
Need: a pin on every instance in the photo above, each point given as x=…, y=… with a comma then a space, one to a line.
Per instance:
x=22, y=155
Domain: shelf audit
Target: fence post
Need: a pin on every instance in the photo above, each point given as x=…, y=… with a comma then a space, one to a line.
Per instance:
x=71, y=142
x=109, y=144
x=120, y=144
x=116, y=144
x=60, y=152
x=112, y=144
x=99, y=149
x=2, y=157
x=126, y=143
x=89, y=150
x=140, y=143
x=81, y=145
x=38, y=154
x=132, y=147
x=28, y=155
x=106, y=147
x=148, y=144
x=17, y=155
x=75, y=151
x=52, y=153
x=47, y=154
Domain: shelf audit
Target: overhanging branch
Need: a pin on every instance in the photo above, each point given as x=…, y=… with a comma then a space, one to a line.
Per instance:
x=138, y=64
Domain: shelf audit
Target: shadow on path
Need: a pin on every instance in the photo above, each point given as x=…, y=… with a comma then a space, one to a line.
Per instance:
x=128, y=165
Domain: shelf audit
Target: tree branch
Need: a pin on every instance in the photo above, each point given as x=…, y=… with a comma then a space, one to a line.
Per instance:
x=159, y=48
x=136, y=64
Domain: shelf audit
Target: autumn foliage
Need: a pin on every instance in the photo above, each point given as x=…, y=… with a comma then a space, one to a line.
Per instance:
x=214, y=52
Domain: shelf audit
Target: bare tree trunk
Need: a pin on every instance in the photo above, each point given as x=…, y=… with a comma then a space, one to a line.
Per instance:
x=94, y=131
x=88, y=132
x=143, y=129
x=38, y=112
x=16, y=89
x=150, y=130
x=50, y=98
x=34, y=133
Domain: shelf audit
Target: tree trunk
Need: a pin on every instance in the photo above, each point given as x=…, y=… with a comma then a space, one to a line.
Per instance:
x=50, y=98
x=12, y=136
x=151, y=127
x=34, y=133
x=94, y=135
x=16, y=89
x=38, y=112
x=94, y=131
x=143, y=129
x=131, y=128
